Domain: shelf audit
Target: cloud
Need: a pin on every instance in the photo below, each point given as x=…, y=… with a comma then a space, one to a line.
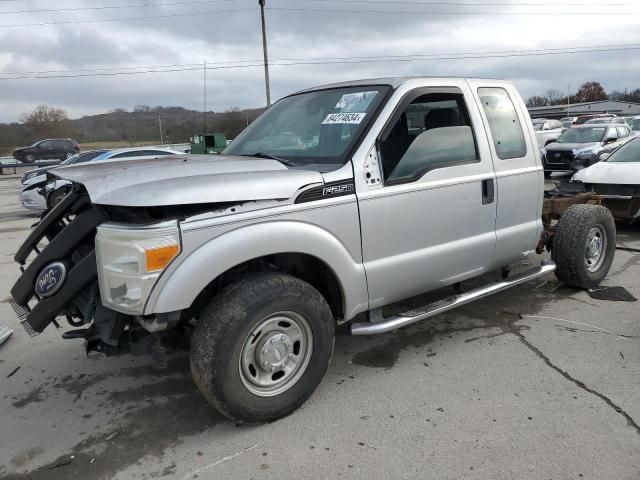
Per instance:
x=294, y=34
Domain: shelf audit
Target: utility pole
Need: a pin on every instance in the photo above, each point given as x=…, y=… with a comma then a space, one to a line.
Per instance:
x=204, y=86
x=160, y=125
x=568, y=98
x=264, y=51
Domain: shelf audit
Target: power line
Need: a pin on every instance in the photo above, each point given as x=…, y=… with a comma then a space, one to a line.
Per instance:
x=153, y=17
x=412, y=12
x=478, y=4
x=344, y=60
x=371, y=2
x=315, y=10
x=381, y=57
x=111, y=7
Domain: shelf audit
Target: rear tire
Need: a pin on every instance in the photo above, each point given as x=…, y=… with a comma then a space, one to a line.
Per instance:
x=584, y=245
x=261, y=347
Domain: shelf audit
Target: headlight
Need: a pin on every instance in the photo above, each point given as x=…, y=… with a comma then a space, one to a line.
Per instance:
x=130, y=261
x=589, y=152
x=29, y=175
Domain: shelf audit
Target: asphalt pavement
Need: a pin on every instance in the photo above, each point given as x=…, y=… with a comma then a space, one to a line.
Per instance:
x=539, y=382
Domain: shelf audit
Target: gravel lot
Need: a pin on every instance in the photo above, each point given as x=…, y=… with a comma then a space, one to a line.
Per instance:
x=495, y=390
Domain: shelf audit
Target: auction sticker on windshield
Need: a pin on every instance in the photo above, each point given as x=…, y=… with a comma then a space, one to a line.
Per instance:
x=355, y=102
x=350, y=118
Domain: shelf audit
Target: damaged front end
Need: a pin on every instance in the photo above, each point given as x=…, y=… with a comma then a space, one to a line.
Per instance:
x=60, y=278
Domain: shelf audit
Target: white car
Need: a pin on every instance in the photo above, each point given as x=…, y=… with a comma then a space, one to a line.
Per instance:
x=38, y=195
x=547, y=131
x=617, y=178
x=634, y=125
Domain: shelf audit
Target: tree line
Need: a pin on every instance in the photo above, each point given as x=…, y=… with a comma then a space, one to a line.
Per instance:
x=143, y=123
x=588, y=92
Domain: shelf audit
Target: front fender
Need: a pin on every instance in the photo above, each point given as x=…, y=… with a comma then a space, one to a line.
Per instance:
x=192, y=271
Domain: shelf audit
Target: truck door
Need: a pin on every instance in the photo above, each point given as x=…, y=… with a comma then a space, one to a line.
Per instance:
x=519, y=174
x=432, y=222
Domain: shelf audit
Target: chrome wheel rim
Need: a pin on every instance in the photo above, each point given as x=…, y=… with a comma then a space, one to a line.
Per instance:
x=595, y=248
x=276, y=354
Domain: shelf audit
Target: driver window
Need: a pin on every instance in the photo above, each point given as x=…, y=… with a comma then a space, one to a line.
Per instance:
x=433, y=131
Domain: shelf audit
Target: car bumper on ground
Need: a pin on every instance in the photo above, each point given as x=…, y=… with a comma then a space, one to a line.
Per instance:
x=32, y=200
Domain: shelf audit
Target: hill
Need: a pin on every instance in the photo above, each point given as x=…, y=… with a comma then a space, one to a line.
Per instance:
x=143, y=125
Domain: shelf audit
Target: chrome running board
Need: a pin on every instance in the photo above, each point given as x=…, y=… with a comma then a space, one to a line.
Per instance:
x=412, y=316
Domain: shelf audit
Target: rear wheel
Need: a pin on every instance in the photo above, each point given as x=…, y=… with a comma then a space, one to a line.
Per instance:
x=584, y=245
x=262, y=346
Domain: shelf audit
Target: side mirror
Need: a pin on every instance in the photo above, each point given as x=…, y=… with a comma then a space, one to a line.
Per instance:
x=611, y=139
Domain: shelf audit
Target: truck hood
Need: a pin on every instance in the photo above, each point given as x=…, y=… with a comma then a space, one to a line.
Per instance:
x=187, y=179
x=617, y=173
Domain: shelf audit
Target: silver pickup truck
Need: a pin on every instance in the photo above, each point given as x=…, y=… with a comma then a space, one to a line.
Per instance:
x=335, y=202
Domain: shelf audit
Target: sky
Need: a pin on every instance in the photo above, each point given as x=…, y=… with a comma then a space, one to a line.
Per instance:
x=310, y=42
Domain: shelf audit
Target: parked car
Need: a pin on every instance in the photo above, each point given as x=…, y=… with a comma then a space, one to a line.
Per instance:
x=265, y=248
x=617, y=179
x=634, y=125
x=580, y=119
x=81, y=157
x=610, y=120
x=33, y=180
x=581, y=145
x=50, y=149
x=38, y=193
x=568, y=121
x=546, y=130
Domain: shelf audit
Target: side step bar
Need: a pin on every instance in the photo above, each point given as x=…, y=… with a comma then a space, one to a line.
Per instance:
x=407, y=318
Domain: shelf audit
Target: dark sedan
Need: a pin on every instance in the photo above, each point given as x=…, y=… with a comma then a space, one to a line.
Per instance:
x=581, y=146
x=50, y=149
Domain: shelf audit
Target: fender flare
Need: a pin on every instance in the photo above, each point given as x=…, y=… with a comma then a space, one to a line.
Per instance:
x=186, y=277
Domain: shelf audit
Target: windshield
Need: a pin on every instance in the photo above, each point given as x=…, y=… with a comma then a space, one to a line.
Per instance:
x=629, y=152
x=635, y=124
x=315, y=127
x=582, y=135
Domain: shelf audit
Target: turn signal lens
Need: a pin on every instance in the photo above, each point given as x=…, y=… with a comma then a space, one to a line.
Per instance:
x=159, y=258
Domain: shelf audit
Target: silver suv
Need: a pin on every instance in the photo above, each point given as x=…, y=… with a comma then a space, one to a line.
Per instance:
x=335, y=202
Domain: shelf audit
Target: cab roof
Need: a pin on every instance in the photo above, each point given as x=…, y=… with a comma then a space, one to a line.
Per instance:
x=393, y=82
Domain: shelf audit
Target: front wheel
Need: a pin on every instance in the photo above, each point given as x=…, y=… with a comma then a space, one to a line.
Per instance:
x=261, y=347
x=584, y=245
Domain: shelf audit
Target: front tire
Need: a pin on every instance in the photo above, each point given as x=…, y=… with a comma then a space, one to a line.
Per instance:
x=56, y=197
x=29, y=158
x=584, y=245
x=261, y=347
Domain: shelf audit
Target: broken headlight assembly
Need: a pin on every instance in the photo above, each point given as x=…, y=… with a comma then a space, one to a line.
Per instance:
x=130, y=261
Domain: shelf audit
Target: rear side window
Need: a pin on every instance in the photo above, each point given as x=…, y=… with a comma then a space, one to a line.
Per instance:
x=503, y=122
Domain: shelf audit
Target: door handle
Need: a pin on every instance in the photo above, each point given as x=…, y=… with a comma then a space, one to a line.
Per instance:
x=488, y=191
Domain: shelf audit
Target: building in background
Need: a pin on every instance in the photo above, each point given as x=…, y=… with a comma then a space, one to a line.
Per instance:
x=622, y=109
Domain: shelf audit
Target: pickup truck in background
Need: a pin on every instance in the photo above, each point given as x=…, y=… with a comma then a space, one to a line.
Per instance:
x=336, y=202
